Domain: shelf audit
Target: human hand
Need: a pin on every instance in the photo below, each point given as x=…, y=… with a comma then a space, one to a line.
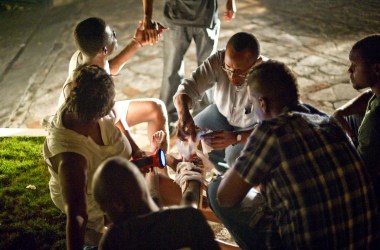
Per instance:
x=219, y=139
x=343, y=123
x=172, y=161
x=149, y=32
x=230, y=11
x=136, y=154
x=186, y=127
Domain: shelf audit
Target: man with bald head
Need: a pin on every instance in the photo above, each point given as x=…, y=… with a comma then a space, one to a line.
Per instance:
x=231, y=118
x=137, y=223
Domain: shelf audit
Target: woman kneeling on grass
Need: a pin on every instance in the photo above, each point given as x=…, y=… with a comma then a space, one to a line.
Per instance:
x=81, y=135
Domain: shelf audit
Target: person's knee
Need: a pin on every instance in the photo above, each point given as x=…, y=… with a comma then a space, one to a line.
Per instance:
x=202, y=119
x=212, y=190
x=232, y=153
x=158, y=111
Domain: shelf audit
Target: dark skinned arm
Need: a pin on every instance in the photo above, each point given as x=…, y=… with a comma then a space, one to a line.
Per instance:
x=72, y=171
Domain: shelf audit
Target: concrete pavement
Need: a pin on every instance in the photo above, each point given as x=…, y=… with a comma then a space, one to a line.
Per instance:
x=312, y=37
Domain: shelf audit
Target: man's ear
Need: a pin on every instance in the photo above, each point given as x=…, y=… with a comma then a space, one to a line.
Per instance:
x=105, y=50
x=259, y=60
x=264, y=104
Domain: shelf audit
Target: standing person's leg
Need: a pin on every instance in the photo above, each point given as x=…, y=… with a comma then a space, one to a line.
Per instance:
x=206, y=42
x=211, y=119
x=176, y=42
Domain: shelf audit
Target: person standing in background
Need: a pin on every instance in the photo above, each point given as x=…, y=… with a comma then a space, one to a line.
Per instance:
x=186, y=20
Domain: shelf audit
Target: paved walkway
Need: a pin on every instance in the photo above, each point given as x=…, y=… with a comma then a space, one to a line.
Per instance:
x=313, y=37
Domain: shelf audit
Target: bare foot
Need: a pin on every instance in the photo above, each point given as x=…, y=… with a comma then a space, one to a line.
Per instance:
x=158, y=140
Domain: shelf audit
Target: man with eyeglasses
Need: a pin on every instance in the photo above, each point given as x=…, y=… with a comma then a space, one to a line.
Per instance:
x=231, y=118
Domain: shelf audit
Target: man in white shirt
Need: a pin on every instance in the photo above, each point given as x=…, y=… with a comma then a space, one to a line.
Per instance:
x=231, y=117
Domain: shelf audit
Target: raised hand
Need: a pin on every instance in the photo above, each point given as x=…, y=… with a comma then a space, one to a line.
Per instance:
x=230, y=11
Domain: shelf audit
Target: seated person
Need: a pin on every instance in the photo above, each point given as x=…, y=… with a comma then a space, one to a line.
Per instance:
x=96, y=42
x=231, y=118
x=360, y=117
x=81, y=135
x=137, y=223
x=315, y=191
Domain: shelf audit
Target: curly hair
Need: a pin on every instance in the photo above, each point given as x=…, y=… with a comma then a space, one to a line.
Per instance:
x=93, y=95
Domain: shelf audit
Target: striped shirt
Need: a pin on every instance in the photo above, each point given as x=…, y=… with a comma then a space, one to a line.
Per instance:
x=313, y=181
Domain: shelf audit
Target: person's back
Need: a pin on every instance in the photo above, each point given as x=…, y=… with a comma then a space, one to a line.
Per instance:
x=121, y=192
x=173, y=228
x=317, y=192
x=319, y=188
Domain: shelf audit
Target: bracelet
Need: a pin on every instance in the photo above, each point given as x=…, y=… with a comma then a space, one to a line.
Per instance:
x=137, y=41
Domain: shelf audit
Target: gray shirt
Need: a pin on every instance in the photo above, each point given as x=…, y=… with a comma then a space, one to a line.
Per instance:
x=232, y=102
x=190, y=13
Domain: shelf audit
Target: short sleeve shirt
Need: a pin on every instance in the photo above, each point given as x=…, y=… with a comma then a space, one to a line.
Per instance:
x=313, y=180
x=369, y=136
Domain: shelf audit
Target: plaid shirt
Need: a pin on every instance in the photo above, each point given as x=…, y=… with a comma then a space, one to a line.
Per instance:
x=313, y=181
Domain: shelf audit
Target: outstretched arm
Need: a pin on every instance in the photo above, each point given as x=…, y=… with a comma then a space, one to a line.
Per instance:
x=152, y=29
x=118, y=62
x=229, y=14
x=139, y=40
x=186, y=126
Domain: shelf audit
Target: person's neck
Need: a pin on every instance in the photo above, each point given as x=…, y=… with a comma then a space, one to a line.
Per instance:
x=71, y=121
x=96, y=60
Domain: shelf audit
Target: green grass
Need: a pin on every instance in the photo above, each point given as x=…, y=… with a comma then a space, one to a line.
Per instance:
x=28, y=217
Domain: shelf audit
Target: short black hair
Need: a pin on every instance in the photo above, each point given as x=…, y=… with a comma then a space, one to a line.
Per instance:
x=244, y=40
x=93, y=94
x=90, y=35
x=275, y=81
x=369, y=48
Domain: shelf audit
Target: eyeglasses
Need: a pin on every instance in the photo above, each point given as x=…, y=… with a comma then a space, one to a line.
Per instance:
x=237, y=73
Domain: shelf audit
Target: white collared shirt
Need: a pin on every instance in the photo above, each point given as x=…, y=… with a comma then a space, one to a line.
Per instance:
x=232, y=102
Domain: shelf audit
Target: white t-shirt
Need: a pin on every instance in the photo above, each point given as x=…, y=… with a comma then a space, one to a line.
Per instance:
x=61, y=139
